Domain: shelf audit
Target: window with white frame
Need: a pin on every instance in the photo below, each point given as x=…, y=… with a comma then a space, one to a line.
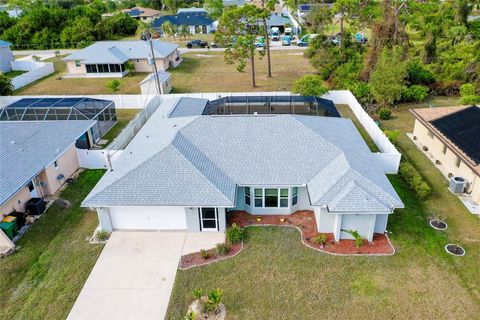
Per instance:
x=247, y=196
x=78, y=63
x=294, y=196
x=258, y=197
x=271, y=198
x=283, y=198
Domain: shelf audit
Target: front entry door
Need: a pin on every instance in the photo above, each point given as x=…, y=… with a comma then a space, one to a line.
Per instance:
x=208, y=219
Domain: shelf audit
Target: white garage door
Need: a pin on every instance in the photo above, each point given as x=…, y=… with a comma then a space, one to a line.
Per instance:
x=148, y=218
x=361, y=223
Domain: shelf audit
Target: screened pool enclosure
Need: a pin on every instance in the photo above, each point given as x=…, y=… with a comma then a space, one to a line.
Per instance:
x=45, y=109
x=302, y=105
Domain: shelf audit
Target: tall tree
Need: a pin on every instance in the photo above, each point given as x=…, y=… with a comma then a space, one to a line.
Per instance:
x=242, y=23
x=268, y=6
x=214, y=8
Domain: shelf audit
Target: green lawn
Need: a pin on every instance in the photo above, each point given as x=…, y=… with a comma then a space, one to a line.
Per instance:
x=277, y=277
x=14, y=73
x=124, y=116
x=43, y=279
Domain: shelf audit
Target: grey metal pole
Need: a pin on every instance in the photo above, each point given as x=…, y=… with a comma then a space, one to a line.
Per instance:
x=159, y=88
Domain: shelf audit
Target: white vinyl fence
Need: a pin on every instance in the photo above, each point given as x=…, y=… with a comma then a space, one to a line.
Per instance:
x=389, y=157
x=35, y=71
x=97, y=159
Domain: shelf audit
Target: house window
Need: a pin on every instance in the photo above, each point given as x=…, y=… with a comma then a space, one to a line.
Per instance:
x=247, y=196
x=271, y=198
x=77, y=63
x=258, y=198
x=430, y=134
x=138, y=60
x=294, y=196
x=444, y=149
x=457, y=163
x=55, y=164
x=283, y=198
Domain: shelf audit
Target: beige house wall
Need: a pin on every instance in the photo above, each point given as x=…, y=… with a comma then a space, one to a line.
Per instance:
x=67, y=165
x=73, y=69
x=448, y=159
x=141, y=65
x=16, y=203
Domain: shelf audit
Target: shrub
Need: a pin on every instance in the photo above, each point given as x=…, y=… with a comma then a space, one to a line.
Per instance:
x=235, y=234
x=113, y=85
x=204, y=254
x=357, y=237
x=385, y=113
x=102, y=236
x=417, y=74
x=446, y=88
x=469, y=94
x=320, y=238
x=223, y=249
x=309, y=85
x=190, y=316
x=414, y=180
x=197, y=293
x=213, y=301
x=415, y=93
x=392, y=135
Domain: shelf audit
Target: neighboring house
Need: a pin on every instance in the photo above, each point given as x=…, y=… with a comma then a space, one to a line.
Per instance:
x=280, y=21
x=36, y=159
x=144, y=14
x=451, y=135
x=229, y=3
x=109, y=58
x=197, y=22
x=185, y=170
x=6, y=56
x=149, y=85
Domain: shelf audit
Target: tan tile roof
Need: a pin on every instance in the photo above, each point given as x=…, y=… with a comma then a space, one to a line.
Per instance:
x=426, y=115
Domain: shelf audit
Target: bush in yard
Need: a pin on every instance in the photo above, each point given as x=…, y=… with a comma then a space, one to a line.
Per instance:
x=223, y=249
x=385, y=113
x=415, y=180
x=320, y=238
x=197, y=293
x=235, y=234
x=213, y=301
x=114, y=85
x=6, y=86
x=309, y=85
x=356, y=236
x=392, y=135
x=204, y=254
x=469, y=94
x=415, y=93
x=417, y=74
x=102, y=236
x=190, y=316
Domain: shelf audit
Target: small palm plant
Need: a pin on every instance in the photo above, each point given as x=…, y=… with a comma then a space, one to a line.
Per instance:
x=213, y=301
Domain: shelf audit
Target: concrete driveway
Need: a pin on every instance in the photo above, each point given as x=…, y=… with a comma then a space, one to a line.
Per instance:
x=134, y=275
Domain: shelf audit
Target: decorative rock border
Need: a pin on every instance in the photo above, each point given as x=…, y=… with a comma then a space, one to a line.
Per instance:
x=441, y=228
x=451, y=246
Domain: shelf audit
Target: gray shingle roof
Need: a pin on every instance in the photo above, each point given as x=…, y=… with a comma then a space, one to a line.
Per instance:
x=121, y=51
x=188, y=107
x=326, y=154
x=29, y=146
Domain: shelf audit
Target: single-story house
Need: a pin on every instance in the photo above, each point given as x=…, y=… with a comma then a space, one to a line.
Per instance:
x=451, y=135
x=109, y=58
x=281, y=22
x=197, y=22
x=6, y=56
x=149, y=85
x=186, y=170
x=36, y=159
x=144, y=14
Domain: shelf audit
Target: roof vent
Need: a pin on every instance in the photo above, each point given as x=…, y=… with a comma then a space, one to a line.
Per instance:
x=12, y=142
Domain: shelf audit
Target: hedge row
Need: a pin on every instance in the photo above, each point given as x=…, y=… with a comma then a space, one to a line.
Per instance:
x=415, y=180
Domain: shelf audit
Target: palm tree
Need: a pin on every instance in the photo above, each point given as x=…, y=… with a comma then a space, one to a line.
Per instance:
x=184, y=31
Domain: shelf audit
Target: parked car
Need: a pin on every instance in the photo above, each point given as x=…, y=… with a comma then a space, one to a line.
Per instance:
x=275, y=34
x=260, y=42
x=286, y=40
x=303, y=42
x=360, y=38
x=197, y=44
x=288, y=32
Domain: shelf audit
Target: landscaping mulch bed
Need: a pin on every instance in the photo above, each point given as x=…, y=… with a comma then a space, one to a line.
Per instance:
x=195, y=259
x=305, y=221
x=438, y=224
x=455, y=249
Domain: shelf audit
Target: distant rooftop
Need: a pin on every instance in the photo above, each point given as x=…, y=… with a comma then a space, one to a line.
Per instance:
x=141, y=12
x=185, y=18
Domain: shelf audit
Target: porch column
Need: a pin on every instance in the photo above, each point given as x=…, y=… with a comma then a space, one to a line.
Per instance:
x=337, y=227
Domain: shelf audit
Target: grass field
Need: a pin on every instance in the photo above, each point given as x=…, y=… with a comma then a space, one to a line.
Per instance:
x=208, y=72
x=199, y=72
x=420, y=281
x=79, y=86
x=14, y=73
x=43, y=279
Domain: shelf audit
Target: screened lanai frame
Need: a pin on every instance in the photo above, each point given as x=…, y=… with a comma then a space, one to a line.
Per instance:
x=47, y=109
x=285, y=104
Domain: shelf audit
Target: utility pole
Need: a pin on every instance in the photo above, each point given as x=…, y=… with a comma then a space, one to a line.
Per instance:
x=148, y=36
